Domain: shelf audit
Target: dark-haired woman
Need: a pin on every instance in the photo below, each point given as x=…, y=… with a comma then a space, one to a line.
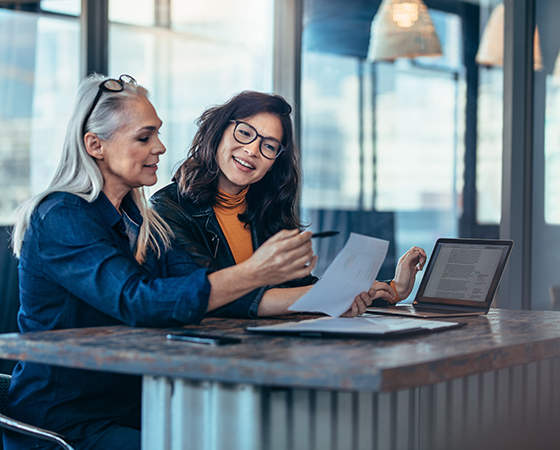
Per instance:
x=239, y=186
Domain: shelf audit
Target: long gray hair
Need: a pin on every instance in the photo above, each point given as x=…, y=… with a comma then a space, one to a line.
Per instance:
x=77, y=172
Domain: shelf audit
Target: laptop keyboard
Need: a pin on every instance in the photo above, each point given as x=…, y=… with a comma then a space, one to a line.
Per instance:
x=439, y=310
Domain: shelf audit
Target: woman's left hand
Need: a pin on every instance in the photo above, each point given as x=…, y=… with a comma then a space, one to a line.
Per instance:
x=409, y=265
x=379, y=289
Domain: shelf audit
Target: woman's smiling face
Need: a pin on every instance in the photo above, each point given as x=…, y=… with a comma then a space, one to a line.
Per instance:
x=243, y=164
x=129, y=159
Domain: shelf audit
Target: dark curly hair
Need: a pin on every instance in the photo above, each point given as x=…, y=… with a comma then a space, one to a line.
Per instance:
x=272, y=201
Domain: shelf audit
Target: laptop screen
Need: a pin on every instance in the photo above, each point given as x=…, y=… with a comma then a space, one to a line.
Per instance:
x=464, y=272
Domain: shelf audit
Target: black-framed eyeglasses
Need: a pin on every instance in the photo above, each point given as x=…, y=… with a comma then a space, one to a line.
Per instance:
x=110, y=85
x=245, y=134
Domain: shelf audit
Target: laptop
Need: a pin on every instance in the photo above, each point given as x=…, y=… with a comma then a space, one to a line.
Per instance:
x=461, y=279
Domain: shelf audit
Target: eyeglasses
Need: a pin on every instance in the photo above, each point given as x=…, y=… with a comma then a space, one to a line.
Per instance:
x=110, y=85
x=244, y=133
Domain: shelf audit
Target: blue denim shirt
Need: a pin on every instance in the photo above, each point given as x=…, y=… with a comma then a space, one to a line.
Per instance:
x=77, y=269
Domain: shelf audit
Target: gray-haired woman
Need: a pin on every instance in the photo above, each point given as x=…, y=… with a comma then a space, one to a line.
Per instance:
x=92, y=253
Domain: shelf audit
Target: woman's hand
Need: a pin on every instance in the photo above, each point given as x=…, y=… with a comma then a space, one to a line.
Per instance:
x=285, y=256
x=409, y=265
x=363, y=300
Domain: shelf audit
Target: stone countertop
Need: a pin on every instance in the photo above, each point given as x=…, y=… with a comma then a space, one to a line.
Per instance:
x=501, y=339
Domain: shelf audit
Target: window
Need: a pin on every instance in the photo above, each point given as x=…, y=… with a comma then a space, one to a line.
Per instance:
x=40, y=56
x=191, y=56
x=552, y=149
x=387, y=147
x=545, y=278
x=200, y=54
x=70, y=7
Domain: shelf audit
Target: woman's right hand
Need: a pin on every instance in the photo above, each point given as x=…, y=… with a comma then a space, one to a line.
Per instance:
x=285, y=256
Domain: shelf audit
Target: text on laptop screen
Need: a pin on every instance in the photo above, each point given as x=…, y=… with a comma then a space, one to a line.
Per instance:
x=463, y=273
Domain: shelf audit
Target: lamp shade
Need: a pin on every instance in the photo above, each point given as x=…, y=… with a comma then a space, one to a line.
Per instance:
x=491, y=48
x=402, y=29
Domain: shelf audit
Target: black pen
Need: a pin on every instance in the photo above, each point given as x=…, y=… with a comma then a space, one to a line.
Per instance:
x=324, y=234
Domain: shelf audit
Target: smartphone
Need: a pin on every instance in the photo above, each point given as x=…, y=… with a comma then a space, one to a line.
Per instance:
x=202, y=338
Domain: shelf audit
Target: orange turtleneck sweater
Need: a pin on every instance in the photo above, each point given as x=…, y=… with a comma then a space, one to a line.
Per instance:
x=227, y=208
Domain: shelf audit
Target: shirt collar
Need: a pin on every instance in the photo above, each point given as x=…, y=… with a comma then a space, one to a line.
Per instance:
x=108, y=210
x=129, y=206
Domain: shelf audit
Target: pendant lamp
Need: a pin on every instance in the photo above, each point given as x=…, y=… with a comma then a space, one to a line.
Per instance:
x=402, y=29
x=491, y=48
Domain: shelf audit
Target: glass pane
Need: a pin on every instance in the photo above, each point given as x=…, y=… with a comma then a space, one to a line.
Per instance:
x=490, y=114
x=545, y=277
x=382, y=142
x=239, y=22
x=552, y=151
x=419, y=136
x=489, y=145
x=139, y=12
x=70, y=7
x=330, y=139
x=40, y=56
x=208, y=56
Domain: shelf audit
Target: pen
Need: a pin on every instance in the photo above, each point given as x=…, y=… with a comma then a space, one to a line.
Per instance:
x=324, y=234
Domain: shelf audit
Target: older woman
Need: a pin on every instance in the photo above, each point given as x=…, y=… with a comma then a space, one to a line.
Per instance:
x=92, y=253
x=238, y=186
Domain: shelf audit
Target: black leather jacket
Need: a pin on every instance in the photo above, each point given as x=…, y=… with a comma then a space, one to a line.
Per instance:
x=198, y=232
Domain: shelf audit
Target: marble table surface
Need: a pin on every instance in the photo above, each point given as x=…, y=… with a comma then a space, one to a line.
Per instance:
x=500, y=339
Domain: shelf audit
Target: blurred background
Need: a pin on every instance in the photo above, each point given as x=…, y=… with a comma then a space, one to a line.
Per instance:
x=415, y=119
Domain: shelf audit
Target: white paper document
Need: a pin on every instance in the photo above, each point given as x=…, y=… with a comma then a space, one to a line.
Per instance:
x=353, y=271
x=374, y=326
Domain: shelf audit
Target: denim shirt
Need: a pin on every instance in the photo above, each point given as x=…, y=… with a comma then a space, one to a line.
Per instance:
x=77, y=269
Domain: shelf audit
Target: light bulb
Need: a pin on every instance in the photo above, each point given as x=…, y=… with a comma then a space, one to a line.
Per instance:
x=405, y=14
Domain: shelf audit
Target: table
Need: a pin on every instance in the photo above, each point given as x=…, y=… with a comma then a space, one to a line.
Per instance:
x=492, y=384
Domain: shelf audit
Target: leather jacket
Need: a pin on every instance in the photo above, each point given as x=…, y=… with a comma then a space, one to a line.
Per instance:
x=197, y=231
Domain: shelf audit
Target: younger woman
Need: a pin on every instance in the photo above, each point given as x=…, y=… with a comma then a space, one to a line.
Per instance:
x=238, y=186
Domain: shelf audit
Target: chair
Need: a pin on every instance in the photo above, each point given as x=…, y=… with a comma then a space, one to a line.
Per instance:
x=371, y=223
x=20, y=427
x=9, y=291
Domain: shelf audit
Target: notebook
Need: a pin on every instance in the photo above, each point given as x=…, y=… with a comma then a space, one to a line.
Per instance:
x=357, y=327
x=461, y=279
